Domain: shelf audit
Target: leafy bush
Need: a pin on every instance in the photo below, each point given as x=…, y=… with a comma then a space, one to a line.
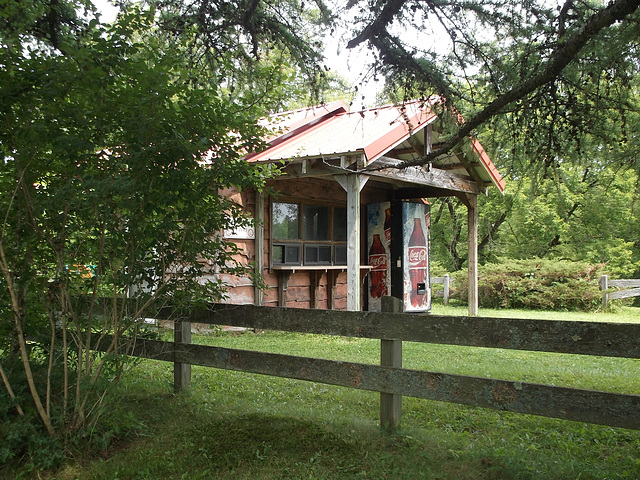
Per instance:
x=535, y=284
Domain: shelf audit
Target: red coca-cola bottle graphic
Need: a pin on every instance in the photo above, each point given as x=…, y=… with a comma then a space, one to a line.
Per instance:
x=417, y=264
x=378, y=260
x=387, y=227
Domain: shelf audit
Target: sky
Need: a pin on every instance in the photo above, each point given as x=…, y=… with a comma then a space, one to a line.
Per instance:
x=350, y=64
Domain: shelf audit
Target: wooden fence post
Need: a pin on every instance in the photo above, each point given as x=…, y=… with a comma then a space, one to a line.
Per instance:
x=181, y=371
x=390, y=356
x=604, y=285
x=445, y=283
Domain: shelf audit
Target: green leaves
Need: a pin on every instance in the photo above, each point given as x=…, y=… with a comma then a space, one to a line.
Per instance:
x=113, y=158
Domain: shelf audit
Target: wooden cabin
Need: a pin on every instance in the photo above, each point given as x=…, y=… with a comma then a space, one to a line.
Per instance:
x=313, y=240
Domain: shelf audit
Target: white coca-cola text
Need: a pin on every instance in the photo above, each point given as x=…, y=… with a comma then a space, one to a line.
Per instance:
x=417, y=257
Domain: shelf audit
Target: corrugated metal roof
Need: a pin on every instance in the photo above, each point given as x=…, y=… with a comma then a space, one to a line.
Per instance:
x=332, y=131
x=372, y=132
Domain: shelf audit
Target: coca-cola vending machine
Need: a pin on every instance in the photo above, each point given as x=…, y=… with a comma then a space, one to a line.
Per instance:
x=379, y=249
x=416, y=220
x=398, y=252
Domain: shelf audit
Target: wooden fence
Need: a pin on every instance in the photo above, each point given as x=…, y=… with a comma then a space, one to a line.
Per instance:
x=446, y=282
x=393, y=381
x=630, y=288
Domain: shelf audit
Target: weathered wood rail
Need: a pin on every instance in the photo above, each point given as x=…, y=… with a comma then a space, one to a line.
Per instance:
x=630, y=288
x=393, y=381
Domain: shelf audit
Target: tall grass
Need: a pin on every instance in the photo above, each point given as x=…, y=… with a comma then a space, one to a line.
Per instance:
x=243, y=426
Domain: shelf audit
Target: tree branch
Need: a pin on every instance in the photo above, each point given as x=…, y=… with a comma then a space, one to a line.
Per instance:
x=565, y=53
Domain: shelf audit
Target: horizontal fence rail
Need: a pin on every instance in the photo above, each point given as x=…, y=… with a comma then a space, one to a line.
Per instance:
x=585, y=338
x=616, y=410
x=630, y=288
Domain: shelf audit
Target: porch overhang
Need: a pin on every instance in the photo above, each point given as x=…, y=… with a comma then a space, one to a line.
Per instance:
x=369, y=147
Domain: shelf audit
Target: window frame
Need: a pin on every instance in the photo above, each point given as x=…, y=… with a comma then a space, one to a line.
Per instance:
x=305, y=246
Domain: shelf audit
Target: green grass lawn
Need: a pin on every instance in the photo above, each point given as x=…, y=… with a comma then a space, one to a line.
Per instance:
x=233, y=425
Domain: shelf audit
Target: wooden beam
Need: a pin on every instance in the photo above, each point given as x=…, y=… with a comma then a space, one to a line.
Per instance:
x=353, y=185
x=332, y=282
x=420, y=192
x=613, y=409
x=558, y=336
x=258, y=295
x=314, y=277
x=472, y=256
x=353, y=242
x=419, y=176
x=283, y=285
x=318, y=167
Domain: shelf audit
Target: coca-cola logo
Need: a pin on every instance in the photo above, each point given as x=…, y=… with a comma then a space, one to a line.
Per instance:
x=417, y=257
x=378, y=262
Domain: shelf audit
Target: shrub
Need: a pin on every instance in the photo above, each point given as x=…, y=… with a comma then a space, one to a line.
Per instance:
x=535, y=284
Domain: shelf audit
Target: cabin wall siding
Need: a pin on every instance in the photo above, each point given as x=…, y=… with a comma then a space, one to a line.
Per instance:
x=240, y=289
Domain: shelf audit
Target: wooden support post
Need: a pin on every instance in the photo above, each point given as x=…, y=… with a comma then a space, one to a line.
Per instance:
x=604, y=285
x=181, y=371
x=314, y=280
x=283, y=285
x=332, y=281
x=353, y=184
x=472, y=259
x=258, y=295
x=445, y=283
x=390, y=356
x=353, y=242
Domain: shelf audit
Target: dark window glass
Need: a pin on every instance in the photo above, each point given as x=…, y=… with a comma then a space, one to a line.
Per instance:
x=340, y=255
x=317, y=254
x=315, y=222
x=285, y=254
x=339, y=224
x=292, y=254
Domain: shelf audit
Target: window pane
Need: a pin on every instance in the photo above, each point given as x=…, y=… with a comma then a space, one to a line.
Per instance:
x=315, y=222
x=284, y=221
x=292, y=254
x=277, y=254
x=324, y=254
x=339, y=224
x=317, y=254
x=285, y=254
x=310, y=254
x=340, y=255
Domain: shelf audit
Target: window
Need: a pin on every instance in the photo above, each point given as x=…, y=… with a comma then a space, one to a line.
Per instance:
x=307, y=234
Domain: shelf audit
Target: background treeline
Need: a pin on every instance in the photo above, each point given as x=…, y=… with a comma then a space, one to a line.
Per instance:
x=546, y=241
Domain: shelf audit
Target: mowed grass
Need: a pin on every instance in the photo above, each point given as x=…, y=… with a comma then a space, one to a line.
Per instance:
x=232, y=425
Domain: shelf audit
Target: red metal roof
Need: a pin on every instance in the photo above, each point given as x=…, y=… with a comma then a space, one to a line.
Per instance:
x=490, y=168
x=331, y=131
x=339, y=132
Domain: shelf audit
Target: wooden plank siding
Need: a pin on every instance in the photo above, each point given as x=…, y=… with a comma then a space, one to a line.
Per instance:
x=304, y=289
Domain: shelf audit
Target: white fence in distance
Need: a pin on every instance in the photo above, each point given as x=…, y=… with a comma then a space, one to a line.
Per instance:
x=630, y=288
x=446, y=282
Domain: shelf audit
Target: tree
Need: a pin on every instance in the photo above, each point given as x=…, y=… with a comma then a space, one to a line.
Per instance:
x=527, y=60
x=112, y=157
x=573, y=213
x=552, y=90
x=259, y=51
